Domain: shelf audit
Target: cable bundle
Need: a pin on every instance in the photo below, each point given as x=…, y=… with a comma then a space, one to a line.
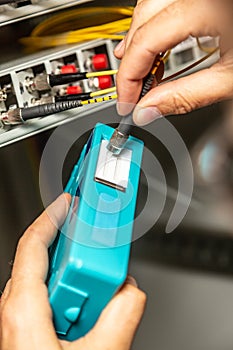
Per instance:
x=62, y=29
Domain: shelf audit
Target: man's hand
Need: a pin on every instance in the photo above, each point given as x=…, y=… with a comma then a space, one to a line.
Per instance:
x=158, y=26
x=25, y=313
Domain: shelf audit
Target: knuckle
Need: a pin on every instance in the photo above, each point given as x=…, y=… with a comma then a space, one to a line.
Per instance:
x=9, y=317
x=4, y=314
x=173, y=10
x=11, y=326
x=29, y=234
x=31, y=231
x=137, y=9
x=138, y=36
x=21, y=241
x=5, y=292
x=142, y=297
x=140, y=9
x=183, y=104
x=16, y=314
x=135, y=294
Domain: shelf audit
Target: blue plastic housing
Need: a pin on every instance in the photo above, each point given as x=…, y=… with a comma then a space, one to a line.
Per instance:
x=89, y=260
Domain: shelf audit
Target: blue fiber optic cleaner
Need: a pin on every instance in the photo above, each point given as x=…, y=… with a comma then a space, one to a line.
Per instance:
x=89, y=259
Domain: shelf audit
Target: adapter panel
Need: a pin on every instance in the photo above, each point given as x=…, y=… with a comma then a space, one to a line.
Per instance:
x=16, y=89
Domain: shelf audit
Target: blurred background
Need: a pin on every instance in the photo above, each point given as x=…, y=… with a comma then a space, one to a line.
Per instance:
x=187, y=274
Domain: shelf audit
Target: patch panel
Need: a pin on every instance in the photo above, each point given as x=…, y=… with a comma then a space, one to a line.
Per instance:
x=64, y=65
x=67, y=64
x=23, y=78
x=19, y=76
x=14, y=10
x=96, y=58
x=16, y=78
x=7, y=94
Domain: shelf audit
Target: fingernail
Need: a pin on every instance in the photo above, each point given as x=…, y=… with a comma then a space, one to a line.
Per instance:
x=131, y=280
x=119, y=45
x=144, y=116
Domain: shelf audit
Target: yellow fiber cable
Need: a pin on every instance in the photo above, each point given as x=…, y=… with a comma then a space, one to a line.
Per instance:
x=101, y=73
x=80, y=25
x=51, y=32
x=99, y=99
x=69, y=16
x=166, y=56
x=103, y=92
x=186, y=69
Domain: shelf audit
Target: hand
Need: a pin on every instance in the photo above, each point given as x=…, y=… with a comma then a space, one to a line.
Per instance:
x=25, y=313
x=158, y=26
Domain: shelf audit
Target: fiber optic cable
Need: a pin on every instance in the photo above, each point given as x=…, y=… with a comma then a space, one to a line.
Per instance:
x=85, y=95
x=61, y=29
x=121, y=133
x=21, y=115
x=60, y=79
x=186, y=69
x=43, y=82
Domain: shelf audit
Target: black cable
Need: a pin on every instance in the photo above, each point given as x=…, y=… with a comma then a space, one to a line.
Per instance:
x=61, y=79
x=126, y=122
x=147, y=85
x=73, y=97
x=48, y=109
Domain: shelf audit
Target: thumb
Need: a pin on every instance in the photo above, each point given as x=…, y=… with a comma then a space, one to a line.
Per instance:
x=186, y=94
x=118, y=322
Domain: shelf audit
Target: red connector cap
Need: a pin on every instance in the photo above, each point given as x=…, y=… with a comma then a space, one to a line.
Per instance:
x=104, y=82
x=99, y=61
x=74, y=90
x=68, y=68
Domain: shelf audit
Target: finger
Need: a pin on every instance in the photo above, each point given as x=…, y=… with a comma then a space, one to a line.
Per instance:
x=119, y=49
x=27, y=308
x=142, y=13
x=28, y=291
x=186, y=94
x=131, y=280
x=31, y=260
x=5, y=293
x=118, y=322
x=170, y=26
